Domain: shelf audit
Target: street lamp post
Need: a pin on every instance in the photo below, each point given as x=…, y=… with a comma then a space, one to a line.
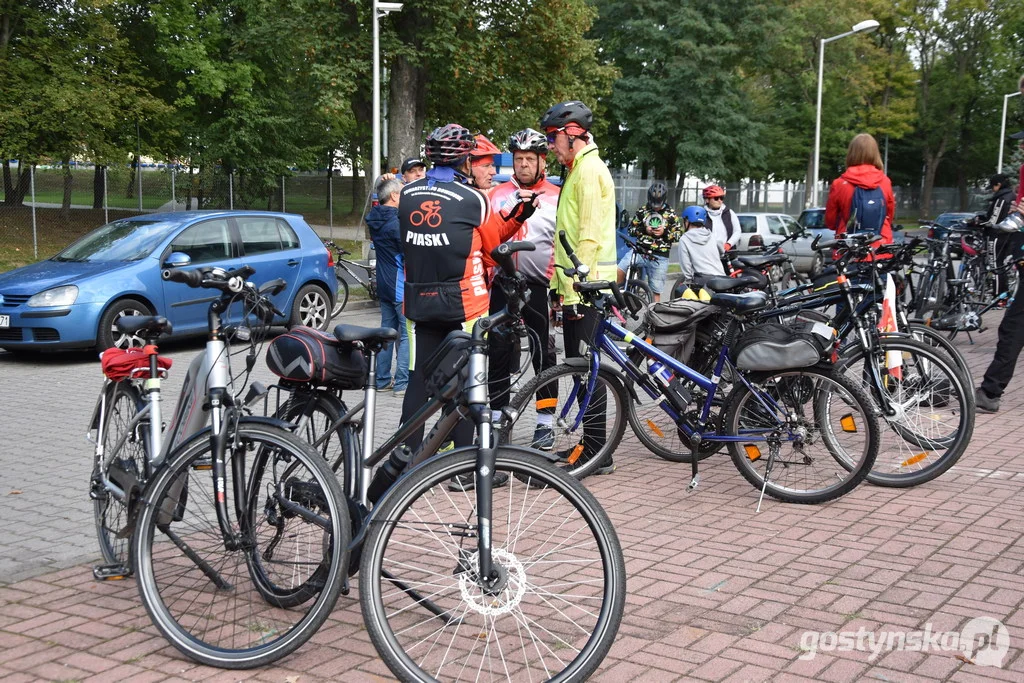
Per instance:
x=380, y=9
x=863, y=27
x=1002, y=130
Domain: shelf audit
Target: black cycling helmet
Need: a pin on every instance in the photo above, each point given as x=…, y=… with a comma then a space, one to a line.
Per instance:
x=528, y=140
x=656, y=194
x=564, y=113
x=449, y=145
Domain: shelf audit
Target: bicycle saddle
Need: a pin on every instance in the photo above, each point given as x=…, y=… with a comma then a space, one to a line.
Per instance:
x=146, y=326
x=368, y=335
x=721, y=283
x=741, y=303
x=762, y=261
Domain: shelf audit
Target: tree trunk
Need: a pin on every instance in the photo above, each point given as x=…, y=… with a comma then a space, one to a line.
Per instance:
x=131, y=177
x=25, y=172
x=961, y=186
x=407, y=108
x=65, y=205
x=9, y=191
x=98, y=187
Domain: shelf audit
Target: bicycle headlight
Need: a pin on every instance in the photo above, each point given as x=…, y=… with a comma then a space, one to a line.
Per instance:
x=58, y=296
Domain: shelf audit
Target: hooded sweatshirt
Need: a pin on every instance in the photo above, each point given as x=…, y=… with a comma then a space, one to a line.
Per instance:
x=1006, y=196
x=383, y=223
x=722, y=232
x=699, y=253
x=840, y=196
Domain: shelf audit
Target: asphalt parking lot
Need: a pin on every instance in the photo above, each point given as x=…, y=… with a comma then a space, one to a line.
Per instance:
x=717, y=591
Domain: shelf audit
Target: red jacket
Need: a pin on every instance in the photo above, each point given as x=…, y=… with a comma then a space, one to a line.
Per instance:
x=837, y=210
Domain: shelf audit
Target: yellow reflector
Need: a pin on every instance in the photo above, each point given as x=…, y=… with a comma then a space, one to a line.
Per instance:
x=705, y=295
x=848, y=423
x=543, y=403
x=203, y=467
x=657, y=430
x=688, y=295
x=753, y=452
x=915, y=459
x=576, y=453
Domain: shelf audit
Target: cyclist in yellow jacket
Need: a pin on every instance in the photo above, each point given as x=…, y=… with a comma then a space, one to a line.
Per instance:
x=586, y=212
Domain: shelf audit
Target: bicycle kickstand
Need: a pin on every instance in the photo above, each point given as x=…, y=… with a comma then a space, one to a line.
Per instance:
x=773, y=450
x=694, y=477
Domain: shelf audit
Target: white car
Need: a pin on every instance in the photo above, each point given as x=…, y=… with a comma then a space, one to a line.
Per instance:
x=760, y=230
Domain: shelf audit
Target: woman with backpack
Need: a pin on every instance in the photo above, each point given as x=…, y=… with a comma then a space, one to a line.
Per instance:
x=861, y=199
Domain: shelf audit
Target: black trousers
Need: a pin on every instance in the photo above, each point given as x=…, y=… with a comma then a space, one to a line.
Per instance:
x=576, y=335
x=425, y=339
x=503, y=349
x=1011, y=331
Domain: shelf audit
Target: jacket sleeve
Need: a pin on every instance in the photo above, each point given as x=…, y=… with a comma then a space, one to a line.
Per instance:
x=635, y=229
x=736, y=232
x=493, y=231
x=890, y=211
x=834, y=208
x=588, y=245
x=685, y=263
x=673, y=230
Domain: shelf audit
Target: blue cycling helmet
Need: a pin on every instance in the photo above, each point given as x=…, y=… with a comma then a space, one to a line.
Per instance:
x=696, y=215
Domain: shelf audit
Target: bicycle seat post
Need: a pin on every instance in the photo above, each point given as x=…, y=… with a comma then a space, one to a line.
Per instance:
x=369, y=417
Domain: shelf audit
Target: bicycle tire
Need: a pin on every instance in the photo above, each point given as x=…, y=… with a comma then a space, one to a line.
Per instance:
x=846, y=460
x=927, y=335
x=924, y=293
x=931, y=396
x=640, y=289
x=340, y=295
x=554, y=545
x=313, y=412
x=566, y=440
x=125, y=458
x=175, y=584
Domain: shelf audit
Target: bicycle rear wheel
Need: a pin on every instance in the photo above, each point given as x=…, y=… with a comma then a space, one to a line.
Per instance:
x=557, y=608
x=125, y=463
x=340, y=296
x=258, y=601
x=824, y=449
x=926, y=404
x=557, y=395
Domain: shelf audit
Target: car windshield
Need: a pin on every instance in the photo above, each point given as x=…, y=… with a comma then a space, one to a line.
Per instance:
x=812, y=219
x=947, y=219
x=121, y=240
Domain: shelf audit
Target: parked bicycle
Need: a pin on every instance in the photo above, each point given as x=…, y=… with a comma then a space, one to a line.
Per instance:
x=365, y=274
x=801, y=432
x=237, y=533
x=460, y=580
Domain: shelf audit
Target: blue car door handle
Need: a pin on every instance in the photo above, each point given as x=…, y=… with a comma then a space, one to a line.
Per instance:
x=293, y=262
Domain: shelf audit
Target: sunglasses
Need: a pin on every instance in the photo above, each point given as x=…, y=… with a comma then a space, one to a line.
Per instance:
x=553, y=135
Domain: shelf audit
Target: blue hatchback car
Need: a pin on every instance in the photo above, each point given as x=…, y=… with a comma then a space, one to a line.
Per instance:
x=73, y=299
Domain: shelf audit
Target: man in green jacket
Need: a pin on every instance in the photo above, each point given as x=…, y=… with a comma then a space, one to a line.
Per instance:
x=586, y=212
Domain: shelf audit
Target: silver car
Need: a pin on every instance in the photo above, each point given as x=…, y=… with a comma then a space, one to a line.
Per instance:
x=760, y=230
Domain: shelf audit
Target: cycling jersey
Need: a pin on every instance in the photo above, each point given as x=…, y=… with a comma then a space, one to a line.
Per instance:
x=586, y=211
x=659, y=246
x=536, y=266
x=448, y=232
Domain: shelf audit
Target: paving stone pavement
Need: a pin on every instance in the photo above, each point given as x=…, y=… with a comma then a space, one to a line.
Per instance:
x=717, y=591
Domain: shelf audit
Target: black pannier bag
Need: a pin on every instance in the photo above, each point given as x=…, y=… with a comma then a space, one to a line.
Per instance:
x=672, y=325
x=772, y=346
x=304, y=354
x=448, y=367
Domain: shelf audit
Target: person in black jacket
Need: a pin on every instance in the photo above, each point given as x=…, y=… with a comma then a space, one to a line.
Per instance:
x=387, y=240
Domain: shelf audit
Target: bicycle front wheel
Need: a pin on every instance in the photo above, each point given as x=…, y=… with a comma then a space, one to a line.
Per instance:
x=125, y=463
x=254, y=598
x=551, y=416
x=558, y=603
x=924, y=401
x=816, y=444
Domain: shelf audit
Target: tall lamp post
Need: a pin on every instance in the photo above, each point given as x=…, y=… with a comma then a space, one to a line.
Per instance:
x=1002, y=130
x=863, y=27
x=380, y=10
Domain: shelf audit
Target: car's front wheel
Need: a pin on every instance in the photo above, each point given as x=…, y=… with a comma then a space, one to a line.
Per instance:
x=311, y=307
x=108, y=335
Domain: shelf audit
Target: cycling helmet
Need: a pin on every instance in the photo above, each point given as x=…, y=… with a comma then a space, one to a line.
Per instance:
x=484, y=148
x=565, y=113
x=712, y=191
x=449, y=145
x=656, y=194
x=695, y=215
x=528, y=140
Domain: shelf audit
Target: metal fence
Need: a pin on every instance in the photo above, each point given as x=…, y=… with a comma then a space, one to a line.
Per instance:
x=45, y=208
x=788, y=197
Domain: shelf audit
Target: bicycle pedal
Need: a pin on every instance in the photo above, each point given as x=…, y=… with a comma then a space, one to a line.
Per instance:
x=111, y=572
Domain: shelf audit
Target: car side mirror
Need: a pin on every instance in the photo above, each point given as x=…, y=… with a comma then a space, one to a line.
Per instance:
x=177, y=259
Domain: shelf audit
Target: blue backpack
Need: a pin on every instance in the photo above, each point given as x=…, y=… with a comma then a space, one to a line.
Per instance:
x=867, y=210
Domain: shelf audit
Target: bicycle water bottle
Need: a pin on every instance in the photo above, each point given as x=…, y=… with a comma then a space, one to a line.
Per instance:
x=388, y=473
x=661, y=372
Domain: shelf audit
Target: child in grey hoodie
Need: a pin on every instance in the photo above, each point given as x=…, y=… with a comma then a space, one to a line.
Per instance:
x=698, y=252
